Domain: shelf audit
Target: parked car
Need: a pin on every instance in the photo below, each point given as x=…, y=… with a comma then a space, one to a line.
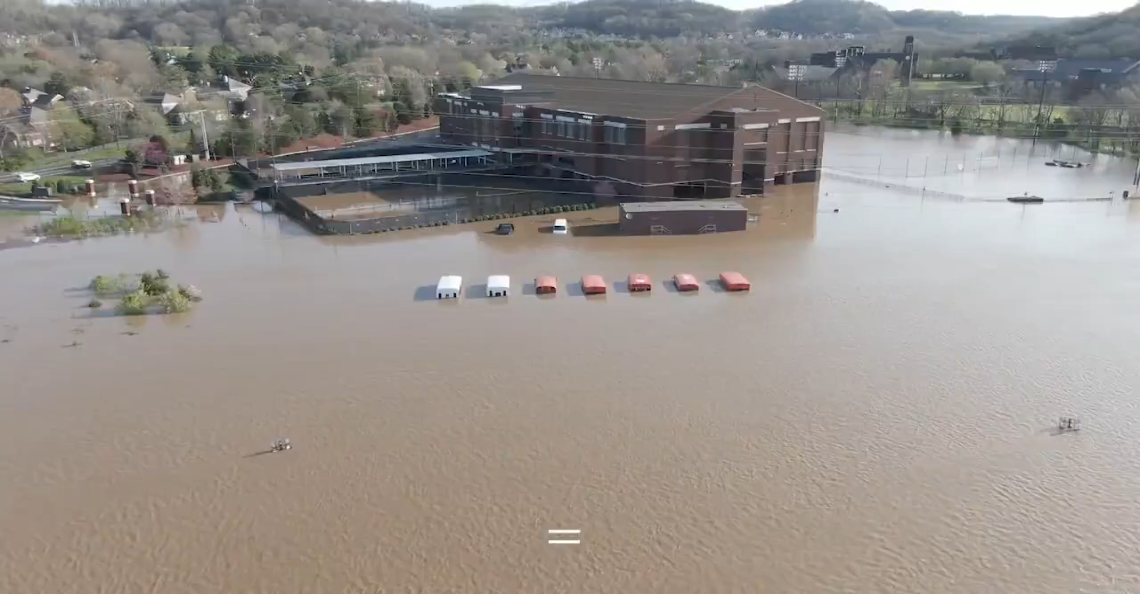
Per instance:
x=561, y=227
x=506, y=229
x=27, y=177
x=80, y=164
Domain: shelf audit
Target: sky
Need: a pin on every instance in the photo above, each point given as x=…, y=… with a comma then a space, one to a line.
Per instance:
x=1055, y=8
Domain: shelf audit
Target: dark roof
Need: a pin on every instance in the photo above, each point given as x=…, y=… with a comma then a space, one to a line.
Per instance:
x=623, y=98
x=1071, y=69
x=682, y=205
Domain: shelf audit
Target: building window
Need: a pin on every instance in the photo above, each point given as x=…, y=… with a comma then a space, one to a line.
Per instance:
x=615, y=135
x=486, y=127
x=583, y=131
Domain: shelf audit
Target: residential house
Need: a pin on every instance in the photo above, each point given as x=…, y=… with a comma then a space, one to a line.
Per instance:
x=35, y=98
x=17, y=134
x=235, y=93
x=642, y=139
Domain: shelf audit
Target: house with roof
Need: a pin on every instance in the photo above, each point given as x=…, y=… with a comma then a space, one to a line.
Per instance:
x=234, y=91
x=17, y=134
x=642, y=139
x=35, y=98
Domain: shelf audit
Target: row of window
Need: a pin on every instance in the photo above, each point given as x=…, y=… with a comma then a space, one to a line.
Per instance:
x=581, y=131
x=571, y=130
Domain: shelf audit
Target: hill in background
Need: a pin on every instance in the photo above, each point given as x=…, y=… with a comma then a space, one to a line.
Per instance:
x=670, y=18
x=1107, y=36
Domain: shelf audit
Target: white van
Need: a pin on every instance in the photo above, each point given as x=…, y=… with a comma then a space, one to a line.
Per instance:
x=560, y=227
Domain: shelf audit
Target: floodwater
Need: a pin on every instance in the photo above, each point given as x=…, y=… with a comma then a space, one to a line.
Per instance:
x=875, y=416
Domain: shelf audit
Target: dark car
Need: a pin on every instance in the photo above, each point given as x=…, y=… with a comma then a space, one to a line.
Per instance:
x=506, y=229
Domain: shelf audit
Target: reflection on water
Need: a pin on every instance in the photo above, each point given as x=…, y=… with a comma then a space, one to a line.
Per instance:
x=874, y=416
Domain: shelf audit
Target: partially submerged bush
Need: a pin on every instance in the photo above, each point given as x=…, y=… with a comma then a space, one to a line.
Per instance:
x=174, y=302
x=107, y=285
x=190, y=292
x=94, y=304
x=134, y=304
x=153, y=284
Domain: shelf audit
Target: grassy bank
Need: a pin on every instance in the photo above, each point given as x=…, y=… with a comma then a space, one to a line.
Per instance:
x=77, y=228
x=55, y=182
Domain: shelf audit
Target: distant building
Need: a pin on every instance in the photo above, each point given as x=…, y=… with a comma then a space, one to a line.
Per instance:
x=857, y=57
x=1033, y=53
x=646, y=140
x=682, y=217
x=1080, y=77
x=807, y=73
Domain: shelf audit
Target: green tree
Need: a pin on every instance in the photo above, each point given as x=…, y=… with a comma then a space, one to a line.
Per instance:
x=133, y=159
x=193, y=143
x=403, y=112
x=239, y=139
x=223, y=59
x=57, y=84
x=987, y=73
x=368, y=122
x=68, y=131
x=304, y=121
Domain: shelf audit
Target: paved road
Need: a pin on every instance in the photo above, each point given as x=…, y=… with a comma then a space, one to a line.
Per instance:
x=64, y=169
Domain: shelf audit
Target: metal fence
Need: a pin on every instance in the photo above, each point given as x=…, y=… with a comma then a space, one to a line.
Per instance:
x=433, y=212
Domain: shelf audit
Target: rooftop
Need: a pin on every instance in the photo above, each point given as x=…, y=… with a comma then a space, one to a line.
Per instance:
x=623, y=98
x=682, y=205
x=381, y=160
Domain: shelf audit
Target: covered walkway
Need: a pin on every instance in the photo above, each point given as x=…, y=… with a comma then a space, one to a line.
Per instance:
x=373, y=167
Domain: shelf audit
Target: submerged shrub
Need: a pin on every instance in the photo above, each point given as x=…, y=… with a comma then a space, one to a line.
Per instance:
x=107, y=284
x=134, y=304
x=174, y=302
x=94, y=304
x=153, y=284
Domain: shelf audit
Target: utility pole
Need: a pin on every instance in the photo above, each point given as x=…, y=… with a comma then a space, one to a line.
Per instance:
x=1044, y=67
x=1136, y=180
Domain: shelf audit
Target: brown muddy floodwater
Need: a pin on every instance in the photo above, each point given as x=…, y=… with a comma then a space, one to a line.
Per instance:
x=874, y=417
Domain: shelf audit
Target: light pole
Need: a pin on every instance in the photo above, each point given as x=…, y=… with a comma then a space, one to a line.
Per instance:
x=796, y=73
x=1044, y=67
